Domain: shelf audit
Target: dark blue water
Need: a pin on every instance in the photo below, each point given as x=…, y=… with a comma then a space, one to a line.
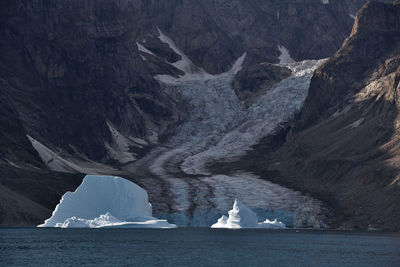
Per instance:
x=196, y=247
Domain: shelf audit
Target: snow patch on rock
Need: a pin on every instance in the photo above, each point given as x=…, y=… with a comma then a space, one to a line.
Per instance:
x=12, y=163
x=118, y=149
x=105, y=201
x=241, y=216
x=285, y=57
x=143, y=49
x=184, y=64
x=192, y=72
x=56, y=162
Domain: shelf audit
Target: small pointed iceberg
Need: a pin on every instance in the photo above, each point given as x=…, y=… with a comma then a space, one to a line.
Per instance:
x=105, y=201
x=241, y=216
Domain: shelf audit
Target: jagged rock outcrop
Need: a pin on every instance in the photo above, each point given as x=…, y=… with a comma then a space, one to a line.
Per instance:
x=74, y=67
x=254, y=81
x=344, y=148
x=15, y=146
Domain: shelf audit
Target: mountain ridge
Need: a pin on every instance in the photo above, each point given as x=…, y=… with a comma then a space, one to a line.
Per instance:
x=78, y=88
x=343, y=148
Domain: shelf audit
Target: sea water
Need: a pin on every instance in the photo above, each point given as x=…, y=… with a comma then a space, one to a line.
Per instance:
x=196, y=247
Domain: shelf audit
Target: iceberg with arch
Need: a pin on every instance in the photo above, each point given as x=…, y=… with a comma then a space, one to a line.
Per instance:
x=241, y=216
x=105, y=201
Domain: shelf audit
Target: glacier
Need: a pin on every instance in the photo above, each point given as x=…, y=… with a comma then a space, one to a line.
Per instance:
x=234, y=128
x=105, y=201
x=219, y=127
x=241, y=216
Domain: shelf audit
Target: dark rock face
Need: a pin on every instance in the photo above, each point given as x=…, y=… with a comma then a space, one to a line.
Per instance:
x=254, y=81
x=15, y=146
x=308, y=28
x=28, y=196
x=71, y=73
x=373, y=39
x=74, y=66
x=71, y=68
x=344, y=148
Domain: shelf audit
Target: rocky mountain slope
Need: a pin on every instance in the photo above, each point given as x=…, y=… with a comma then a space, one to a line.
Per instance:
x=74, y=68
x=344, y=148
x=78, y=92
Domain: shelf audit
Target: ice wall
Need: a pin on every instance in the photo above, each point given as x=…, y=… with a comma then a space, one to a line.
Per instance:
x=102, y=201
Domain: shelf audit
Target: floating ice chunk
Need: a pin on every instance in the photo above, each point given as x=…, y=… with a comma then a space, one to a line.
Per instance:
x=105, y=201
x=74, y=222
x=325, y=2
x=109, y=221
x=241, y=216
x=275, y=224
x=285, y=57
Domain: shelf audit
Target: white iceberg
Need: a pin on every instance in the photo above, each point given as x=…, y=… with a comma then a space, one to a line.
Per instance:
x=241, y=216
x=105, y=201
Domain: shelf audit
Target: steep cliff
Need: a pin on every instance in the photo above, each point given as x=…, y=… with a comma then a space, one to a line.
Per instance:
x=344, y=148
x=71, y=70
